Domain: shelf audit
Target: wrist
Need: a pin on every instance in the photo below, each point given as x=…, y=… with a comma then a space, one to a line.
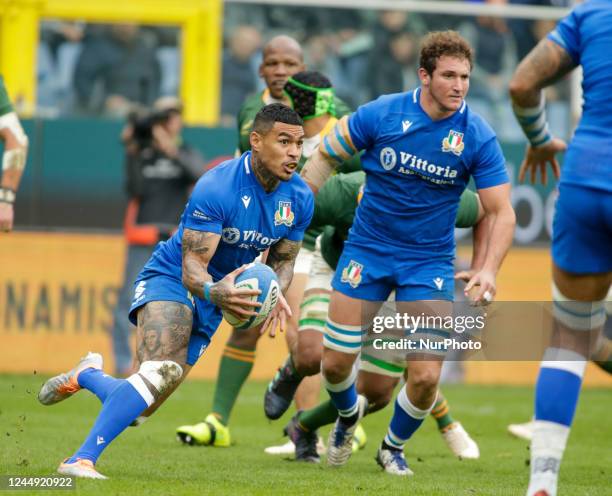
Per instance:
x=7, y=195
x=207, y=286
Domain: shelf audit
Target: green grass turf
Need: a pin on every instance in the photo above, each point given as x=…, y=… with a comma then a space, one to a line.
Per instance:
x=148, y=460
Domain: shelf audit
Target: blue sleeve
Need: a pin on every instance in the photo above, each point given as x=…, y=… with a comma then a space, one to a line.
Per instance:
x=567, y=35
x=206, y=209
x=490, y=166
x=297, y=231
x=363, y=124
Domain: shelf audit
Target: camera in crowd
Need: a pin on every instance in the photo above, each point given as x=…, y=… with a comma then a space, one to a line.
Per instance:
x=143, y=119
x=142, y=122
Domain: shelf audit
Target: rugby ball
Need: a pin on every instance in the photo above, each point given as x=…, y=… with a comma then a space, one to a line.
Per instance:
x=256, y=276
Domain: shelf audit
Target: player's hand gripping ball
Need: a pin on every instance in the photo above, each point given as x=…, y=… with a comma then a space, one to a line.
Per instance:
x=256, y=276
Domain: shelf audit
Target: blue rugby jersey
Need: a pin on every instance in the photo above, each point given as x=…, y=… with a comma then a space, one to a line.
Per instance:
x=586, y=35
x=417, y=169
x=230, y=201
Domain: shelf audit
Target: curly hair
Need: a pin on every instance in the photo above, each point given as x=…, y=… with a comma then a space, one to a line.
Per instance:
x=440, y=43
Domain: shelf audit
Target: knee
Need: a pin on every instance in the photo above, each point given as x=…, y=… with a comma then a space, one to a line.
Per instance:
x=424, y=381
x=161, y=376
x=335, y=369
x=377, y=398
x=307, y=361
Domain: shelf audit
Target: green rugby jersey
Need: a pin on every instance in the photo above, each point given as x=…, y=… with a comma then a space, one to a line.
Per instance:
x=5, y=102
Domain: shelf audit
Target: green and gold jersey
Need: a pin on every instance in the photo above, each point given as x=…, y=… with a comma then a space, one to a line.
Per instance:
x=5, y=102
x=254, y=103
x=335, y=207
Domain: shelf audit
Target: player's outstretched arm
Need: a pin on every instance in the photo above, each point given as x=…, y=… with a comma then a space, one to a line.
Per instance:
x=497, y=207
x=13, y=163
x=544, y=65
x=336, y=148
x=198, y=249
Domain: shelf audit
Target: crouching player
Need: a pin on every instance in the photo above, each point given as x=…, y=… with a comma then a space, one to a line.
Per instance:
x=188, y=280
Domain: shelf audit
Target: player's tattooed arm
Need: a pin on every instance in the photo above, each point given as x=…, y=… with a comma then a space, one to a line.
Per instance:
x=281, y=258
x=544, y=65
x=198, y=249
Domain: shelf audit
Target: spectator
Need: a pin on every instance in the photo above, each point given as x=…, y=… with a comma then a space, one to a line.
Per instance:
x=126, y=67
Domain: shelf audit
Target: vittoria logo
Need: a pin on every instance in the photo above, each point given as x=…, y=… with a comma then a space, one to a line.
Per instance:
x=352, y=273
x=230, y=235
x=388, y=158
x=284, y=215
x=453, y=143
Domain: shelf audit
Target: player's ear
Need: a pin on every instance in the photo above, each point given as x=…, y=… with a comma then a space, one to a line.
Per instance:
x=424, y=76
x=255, y=140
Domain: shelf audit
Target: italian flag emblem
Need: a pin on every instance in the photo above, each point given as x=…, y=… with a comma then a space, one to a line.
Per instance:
x=283, y=214
x=352, y=273
x=453, y=143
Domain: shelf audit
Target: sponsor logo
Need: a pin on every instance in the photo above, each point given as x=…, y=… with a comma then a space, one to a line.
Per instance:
x=246, y=200
x=248, y=239
x=453, y=143
x=352, y=273
x=284, y=215
x=412, y=164
x=406, y=125
x=199, y=215
x=230, y=235
x=202, y=350
x=388, y=158
x=100, y=440
x=439, y=282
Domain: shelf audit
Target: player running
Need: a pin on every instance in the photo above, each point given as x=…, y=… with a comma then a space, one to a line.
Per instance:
x=582, y=226
x=181, y=291
x=420, y=149
x=282, y=58
x=13, y=160
x=379, y=372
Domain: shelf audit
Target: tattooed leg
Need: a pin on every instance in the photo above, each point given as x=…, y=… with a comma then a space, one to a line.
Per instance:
x=163, y=332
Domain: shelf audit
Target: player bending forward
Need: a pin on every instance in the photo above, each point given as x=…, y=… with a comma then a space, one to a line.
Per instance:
x=188, y=280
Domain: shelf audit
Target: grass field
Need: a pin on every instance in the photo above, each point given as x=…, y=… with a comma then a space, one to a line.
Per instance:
x=148, y=460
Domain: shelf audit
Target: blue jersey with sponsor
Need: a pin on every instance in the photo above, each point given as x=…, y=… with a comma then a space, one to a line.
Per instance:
x=230, y=201
x=417, y=169
x=586, y=35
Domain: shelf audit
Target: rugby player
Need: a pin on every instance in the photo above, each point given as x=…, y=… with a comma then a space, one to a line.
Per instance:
x=188, y=281
x=582, y=236
x=13, y=160
x=420, y=149
x=379, y=371
x=313, y=97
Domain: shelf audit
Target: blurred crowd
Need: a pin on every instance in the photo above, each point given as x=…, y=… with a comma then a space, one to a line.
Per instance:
x=92, y=69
